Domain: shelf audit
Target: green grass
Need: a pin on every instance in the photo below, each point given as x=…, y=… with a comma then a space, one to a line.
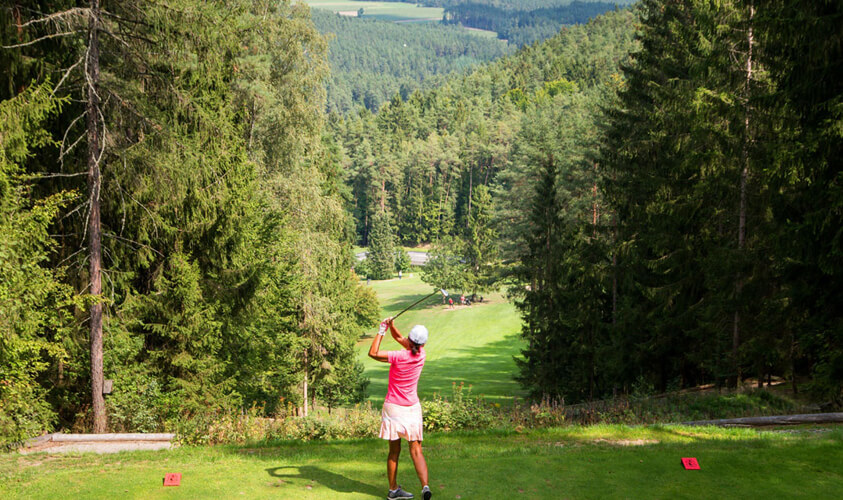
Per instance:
x=386, y=11
x=570, y=462
x=473, y=344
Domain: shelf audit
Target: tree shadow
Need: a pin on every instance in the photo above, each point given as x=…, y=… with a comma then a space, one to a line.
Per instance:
x=332, y=480
x=399, y=302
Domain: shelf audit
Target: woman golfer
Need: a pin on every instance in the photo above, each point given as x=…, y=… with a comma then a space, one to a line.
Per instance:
x=402, y=414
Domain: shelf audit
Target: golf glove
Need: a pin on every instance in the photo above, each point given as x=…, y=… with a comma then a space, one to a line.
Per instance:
x=382, y=328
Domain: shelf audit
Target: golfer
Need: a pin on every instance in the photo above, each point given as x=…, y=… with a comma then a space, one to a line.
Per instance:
x=402, y=413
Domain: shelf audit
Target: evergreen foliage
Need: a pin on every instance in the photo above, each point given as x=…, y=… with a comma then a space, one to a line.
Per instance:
x=402, y=261
x=227, y=276
x=381, y=248
x=373, y=60
x=523, y=25
x=665, y=210
x=35, y=305
x=446, y=269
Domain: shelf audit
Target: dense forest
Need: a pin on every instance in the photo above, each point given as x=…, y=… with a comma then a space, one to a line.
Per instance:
x=658, y=190
x=520, y=22
x=372, y=60
x=665, y=219
x=520, y=26
x=171, y=217
x=422, y=157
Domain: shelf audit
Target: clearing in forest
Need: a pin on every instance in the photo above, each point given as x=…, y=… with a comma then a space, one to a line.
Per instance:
x=471, y=344
x=385, y=11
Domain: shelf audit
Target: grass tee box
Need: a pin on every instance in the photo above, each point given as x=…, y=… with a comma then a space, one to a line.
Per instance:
x=473, y=344
x=386, y=11
x=570, y=462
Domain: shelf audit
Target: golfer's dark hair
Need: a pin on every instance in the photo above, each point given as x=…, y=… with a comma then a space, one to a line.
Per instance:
x=414, y=348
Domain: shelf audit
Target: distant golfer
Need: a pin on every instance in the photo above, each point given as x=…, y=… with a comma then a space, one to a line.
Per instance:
x=402, y=413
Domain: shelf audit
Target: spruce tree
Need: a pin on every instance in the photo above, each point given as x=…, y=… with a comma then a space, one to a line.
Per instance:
x=381, y=248
x=480, y=239
x=35, y=305
x=801, y=47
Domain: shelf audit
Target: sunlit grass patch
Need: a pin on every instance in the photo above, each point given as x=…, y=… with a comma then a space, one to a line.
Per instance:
x=571, y=461
x=472, y=344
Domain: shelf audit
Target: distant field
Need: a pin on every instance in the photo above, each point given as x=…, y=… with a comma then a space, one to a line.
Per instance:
x=473, y=344
x=387, y=11
x=483, y=33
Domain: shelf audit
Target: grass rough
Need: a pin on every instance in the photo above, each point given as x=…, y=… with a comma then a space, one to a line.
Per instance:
x=602, y=461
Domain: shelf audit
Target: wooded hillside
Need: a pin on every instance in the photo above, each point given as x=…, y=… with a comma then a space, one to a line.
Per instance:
x=651, y=213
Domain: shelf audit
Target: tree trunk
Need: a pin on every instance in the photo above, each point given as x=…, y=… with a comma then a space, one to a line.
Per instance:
x=736, y=331
x=366, y=227
x=94, y=229
x=793, y=385
x=614, y=270
x=470, y=187
x=447, y=194
x=304, y=386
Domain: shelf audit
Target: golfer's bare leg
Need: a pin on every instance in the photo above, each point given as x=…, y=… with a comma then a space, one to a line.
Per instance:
x=418, y=461
x=392, y=463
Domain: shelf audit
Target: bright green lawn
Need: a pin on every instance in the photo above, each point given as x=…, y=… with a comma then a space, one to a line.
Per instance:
x=573, y=462
x=387, y=11
x=473, y=344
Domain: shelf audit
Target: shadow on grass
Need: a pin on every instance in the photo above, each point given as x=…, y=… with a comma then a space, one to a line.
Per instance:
x=398, y=303
x=332, y=480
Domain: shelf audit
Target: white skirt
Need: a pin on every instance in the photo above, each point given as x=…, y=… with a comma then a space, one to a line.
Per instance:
x=401, y=422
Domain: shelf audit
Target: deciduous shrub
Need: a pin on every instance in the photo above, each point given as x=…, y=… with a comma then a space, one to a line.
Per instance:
x=249, y=427
x=462, y=411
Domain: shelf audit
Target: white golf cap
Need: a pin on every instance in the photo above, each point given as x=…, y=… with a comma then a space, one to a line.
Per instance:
x=419, y=334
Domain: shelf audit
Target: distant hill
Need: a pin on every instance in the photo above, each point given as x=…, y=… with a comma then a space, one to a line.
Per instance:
x=372, y=60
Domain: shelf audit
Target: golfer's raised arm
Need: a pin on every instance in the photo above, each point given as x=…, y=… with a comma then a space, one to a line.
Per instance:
x=375, y=351
x=397, y=335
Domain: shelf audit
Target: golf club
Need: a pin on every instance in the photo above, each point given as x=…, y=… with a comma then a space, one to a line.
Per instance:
x=441, y=290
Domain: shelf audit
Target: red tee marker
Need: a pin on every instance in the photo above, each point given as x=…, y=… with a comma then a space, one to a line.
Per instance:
x=174, y=479
x=690, y=464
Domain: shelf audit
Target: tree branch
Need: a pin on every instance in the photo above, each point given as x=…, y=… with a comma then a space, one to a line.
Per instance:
x=78, y=11
x=131, y=242
x=39, y=39
x=66, y=74
x=46, y=175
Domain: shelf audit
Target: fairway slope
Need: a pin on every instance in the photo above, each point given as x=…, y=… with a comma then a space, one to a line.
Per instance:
x=471, y=344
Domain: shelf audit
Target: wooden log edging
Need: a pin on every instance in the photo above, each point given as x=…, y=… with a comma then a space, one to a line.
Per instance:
x=59, y=437
x=805, y=418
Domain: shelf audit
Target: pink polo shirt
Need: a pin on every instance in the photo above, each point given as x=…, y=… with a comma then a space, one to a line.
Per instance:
x=404, y=372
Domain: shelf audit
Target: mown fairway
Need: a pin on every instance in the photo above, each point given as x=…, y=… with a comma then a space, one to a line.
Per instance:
x=472, y=344
x=573, y=462
x=386, y=11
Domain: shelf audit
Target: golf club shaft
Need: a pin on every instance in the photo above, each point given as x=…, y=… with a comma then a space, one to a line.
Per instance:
x=414, y=304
